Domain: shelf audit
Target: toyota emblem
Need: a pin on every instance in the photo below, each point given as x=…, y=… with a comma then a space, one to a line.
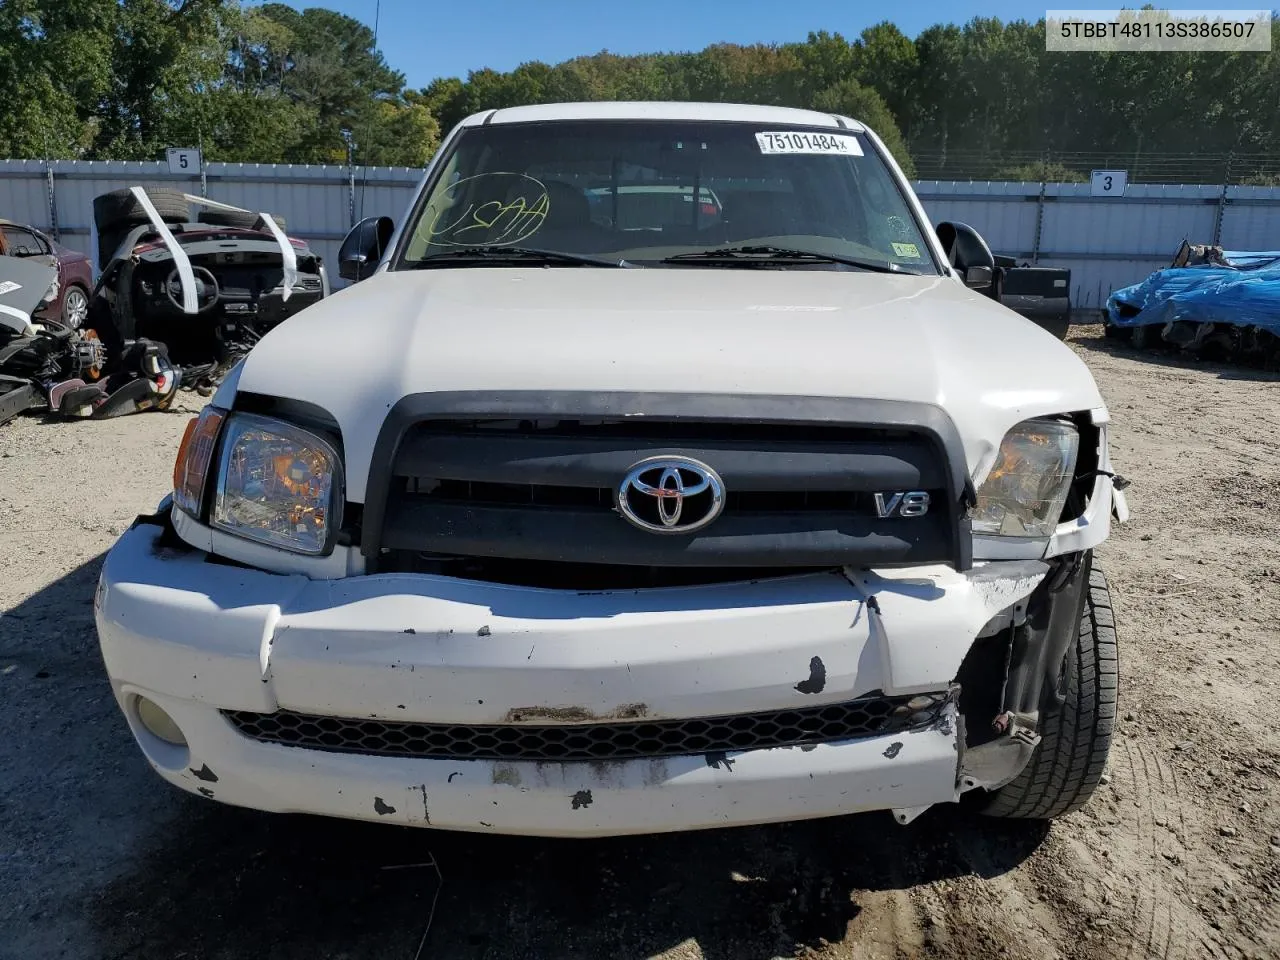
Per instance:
x=671, y=495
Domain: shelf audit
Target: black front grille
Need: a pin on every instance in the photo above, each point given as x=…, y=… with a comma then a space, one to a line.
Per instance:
x=465, y=480
x=595, y=741
x=603, y=498
x=550, y=575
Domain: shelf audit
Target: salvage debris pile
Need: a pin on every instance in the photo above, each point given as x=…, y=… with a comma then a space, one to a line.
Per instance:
x=1215, y=303
x=178, y=301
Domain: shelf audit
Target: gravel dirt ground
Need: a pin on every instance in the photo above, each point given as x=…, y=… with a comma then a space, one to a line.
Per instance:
x=1178, y=856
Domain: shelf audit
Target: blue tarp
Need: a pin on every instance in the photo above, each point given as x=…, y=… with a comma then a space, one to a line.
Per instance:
x=1245, y=293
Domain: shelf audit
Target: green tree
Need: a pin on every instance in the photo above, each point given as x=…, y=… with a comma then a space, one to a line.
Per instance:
x=162, y=52
x=125, y=78
x=852, y=99
x=446, y=99
x=825, y=59
x=1040, y=170
x=327, y=67
x=55, y=74
x=885, y=60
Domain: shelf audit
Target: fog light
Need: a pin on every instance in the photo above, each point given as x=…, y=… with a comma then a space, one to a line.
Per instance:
x=159, y=724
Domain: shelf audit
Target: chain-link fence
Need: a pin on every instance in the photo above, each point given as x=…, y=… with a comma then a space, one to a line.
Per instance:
x=1258, y=169
x=1107, y=242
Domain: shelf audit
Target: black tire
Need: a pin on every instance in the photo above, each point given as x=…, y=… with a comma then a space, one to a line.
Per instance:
x=236, y=218
x=121, y=209
x=108, y=242
x=118, y=212
x=1068, y=762
x=1144, y=337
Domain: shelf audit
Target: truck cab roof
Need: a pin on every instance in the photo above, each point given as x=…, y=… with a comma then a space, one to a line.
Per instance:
x=645, y=110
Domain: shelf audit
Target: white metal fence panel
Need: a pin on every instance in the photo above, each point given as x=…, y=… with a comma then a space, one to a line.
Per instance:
x=77, y=182
x=24, y=195
x=1111, y=242
x=1251, y=219
x=1004, y=213
x=1107, y=242
x=315, y=201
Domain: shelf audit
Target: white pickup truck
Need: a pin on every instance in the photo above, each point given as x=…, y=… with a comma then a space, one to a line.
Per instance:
x=593, y=509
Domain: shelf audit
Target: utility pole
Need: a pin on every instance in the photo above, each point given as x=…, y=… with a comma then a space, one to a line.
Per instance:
x=351, y=175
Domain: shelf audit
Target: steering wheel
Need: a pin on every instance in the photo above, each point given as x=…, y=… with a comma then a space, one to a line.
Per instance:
x=206, y=289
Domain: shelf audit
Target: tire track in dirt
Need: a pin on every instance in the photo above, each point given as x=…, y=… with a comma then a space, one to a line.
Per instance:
x=1165, y=927
x=1148, y=902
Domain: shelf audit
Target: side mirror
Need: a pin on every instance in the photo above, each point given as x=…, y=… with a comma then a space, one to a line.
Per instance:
x=969, y=254
x=362, y=250
x=978, y=277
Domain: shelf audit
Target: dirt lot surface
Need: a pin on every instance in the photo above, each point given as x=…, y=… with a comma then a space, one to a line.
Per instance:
x=1178, y=856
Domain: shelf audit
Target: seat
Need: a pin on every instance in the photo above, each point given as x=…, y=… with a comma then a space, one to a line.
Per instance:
x=567, y=207
x=758, y=213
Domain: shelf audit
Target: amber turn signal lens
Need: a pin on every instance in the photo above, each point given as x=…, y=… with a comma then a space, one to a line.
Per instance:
x=195, y=455
x=180, y=464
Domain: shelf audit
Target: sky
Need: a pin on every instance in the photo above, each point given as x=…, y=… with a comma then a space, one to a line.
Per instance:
x=425, y=39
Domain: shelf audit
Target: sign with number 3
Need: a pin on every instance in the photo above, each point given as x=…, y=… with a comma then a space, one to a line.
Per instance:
x=1108, y=183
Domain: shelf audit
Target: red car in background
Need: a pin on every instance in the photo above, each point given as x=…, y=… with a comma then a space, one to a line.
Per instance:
x=75, y=271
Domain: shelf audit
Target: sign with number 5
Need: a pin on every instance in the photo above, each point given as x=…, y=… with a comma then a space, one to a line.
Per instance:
x=1108, y=183
x=183, y=160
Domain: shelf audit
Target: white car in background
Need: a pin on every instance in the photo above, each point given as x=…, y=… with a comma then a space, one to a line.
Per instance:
x=593, y=531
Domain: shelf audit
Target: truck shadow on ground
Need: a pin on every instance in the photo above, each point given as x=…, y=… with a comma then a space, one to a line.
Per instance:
x=219, y=882
x=200, y=880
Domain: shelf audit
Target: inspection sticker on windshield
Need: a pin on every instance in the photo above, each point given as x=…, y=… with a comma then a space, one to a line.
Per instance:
x=9, y=286
x=907, y=250
x=795, y=141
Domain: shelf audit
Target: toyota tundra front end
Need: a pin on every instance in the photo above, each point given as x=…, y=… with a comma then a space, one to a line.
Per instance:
x=594, y=510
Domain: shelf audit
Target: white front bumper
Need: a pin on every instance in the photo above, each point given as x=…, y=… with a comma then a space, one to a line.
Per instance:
x=198, y=638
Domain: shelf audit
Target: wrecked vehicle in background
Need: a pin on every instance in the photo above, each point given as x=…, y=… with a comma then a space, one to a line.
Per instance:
x=1041, y=294
x=207, y=286
x=1218, y=304
x=75, y=271
x=44, y=362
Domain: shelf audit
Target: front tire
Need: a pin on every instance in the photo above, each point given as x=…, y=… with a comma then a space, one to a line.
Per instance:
x=1067, y=765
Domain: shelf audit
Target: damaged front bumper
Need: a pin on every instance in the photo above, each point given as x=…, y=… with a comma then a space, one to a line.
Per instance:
x=478, y=706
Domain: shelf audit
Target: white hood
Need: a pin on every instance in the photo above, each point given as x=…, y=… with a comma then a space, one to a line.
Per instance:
x=688, y=329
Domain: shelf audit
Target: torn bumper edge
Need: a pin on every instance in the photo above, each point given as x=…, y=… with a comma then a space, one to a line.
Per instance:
x=252, y=640
x=554, y=799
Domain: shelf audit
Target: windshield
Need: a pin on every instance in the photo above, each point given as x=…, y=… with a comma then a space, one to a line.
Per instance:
x=645, y=191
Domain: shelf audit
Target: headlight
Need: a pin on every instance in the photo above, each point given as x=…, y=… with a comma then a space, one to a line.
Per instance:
x=1024, y=493
x=195, y=456
x=278, y=484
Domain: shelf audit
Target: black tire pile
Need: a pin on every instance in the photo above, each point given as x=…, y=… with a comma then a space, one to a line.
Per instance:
x=118, y=212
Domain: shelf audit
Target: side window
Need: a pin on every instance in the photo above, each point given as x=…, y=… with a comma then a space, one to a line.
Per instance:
x=417, y=245
x=891, y=231
x=22, y=243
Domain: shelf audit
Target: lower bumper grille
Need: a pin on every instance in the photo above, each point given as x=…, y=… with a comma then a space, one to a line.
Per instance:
x=629, y=740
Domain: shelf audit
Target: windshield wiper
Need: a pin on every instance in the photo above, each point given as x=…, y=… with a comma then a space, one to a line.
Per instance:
x=499, y=254
x=768, y=254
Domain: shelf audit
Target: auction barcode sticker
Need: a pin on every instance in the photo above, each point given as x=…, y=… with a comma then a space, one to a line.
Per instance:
x=9, y=286
x=799, y=141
